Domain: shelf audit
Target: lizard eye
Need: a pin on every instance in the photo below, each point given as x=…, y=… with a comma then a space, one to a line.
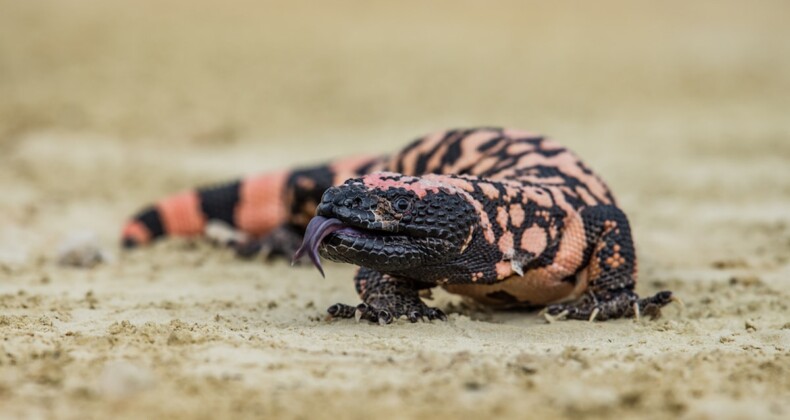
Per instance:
x=402, y=204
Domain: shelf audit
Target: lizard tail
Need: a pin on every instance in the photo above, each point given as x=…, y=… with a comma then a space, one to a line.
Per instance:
x=253, y=205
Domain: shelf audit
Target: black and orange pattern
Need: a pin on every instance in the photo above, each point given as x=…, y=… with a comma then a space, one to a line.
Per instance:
x=507, y=217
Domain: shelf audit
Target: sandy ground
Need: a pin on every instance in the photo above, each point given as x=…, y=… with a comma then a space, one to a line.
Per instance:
x=108, y=105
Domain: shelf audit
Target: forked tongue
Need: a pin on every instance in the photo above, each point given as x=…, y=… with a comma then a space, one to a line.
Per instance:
x=318, y=228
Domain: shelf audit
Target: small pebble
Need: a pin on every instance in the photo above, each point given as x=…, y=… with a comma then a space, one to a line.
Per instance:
x=82, y=250
x=120, y=379
x=224, y=234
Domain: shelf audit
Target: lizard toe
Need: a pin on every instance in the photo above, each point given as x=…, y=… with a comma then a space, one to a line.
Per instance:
x=340, y=310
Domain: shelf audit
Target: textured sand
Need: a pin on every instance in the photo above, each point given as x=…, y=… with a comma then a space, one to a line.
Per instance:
x=107, y=105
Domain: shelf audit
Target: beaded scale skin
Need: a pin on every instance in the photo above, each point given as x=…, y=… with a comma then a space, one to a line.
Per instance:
x=506, y=217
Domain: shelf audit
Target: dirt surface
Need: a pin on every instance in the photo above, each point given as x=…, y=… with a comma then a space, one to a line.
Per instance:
x=105, y=105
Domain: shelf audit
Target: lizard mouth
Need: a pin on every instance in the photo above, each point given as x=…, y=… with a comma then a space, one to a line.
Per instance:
x=349, y=238
x=318, y=229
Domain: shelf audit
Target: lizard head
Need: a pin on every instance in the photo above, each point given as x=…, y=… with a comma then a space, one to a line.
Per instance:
x=390, y=222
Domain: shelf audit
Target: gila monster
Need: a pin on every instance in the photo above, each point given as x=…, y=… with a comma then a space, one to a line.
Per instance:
x=506, y=217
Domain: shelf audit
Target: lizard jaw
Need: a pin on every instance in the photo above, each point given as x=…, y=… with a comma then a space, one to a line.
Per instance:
x=318, y=229
x=339, y=241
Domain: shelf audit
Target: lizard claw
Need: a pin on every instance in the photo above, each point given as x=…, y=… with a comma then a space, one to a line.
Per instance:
x=557, y=317
x=384, y=317
x=414, y=316
x=361, y=309
x=434, y=313
x=594, y=314
x=677, y=300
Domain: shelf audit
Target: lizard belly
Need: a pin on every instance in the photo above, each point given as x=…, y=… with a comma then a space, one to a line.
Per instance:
x=535, y=287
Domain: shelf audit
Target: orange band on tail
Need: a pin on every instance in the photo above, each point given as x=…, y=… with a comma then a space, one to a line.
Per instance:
x=135, y=233
x=181, y=214
x=262, y=205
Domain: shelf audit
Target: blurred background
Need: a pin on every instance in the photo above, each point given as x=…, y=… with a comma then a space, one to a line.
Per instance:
x=682, y=106
x=105, y=105
x=201, y=70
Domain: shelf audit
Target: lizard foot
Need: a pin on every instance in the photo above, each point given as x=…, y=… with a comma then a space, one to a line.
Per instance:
x=386, y=313
x=618, y=304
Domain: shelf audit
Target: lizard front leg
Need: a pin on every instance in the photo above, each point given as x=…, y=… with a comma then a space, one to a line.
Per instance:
x=385, y=298
x=611, y=272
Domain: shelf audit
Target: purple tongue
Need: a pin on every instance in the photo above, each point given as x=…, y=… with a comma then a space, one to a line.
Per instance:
x=318, y=228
